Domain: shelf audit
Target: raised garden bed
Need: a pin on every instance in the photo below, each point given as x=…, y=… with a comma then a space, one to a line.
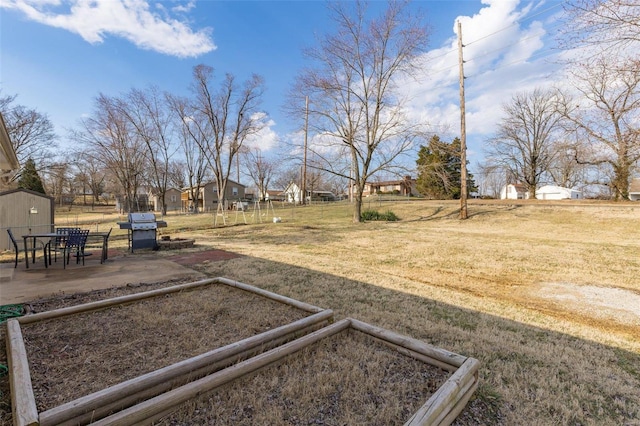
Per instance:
x=87, y=361
x=346, y=373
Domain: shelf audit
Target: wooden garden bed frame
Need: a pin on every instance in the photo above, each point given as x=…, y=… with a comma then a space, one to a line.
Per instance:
x=440, y=409
x=98, y=404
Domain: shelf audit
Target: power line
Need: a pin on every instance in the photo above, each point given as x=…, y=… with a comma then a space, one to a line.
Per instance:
x=515, y=23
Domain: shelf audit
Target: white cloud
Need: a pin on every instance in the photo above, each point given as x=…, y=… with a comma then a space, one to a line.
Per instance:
x=266, y=138
x=132, y=20
x=506, y=51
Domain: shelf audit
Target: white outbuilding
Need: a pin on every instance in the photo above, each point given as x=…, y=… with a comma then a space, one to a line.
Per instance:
x=553, y=192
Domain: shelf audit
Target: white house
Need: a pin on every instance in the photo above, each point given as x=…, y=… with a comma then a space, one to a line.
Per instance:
x=514, y=191
x=553, y=192
x=292, y=193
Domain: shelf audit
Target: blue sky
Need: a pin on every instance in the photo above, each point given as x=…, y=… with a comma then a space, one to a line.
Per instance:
x=57, y=55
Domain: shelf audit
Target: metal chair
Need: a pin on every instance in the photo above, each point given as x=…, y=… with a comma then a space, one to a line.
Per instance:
x=33, y=249
x=58, y=243
x=75, y=241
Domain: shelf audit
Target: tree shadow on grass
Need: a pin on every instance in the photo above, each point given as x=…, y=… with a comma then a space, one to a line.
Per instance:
x=528, y=374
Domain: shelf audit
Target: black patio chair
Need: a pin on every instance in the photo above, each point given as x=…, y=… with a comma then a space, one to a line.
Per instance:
x=58, y=243
x=75, y=242
x=32, y=249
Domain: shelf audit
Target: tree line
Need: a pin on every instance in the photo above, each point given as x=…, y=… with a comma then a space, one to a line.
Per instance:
x=349, y=99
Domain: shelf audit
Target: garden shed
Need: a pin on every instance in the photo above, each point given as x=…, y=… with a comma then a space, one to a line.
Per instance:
x=24, y=211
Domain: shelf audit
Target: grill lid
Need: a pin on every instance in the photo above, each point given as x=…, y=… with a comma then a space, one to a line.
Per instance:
x=142, y=218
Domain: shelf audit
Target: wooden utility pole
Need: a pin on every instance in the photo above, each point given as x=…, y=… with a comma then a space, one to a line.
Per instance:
x=463, y=132
x=304, y=164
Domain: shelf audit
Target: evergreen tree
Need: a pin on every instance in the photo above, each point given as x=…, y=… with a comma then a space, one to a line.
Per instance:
x=29, y=179
x=439, y=170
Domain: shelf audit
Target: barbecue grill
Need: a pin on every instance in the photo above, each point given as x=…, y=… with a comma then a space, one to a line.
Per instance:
x=142, y=229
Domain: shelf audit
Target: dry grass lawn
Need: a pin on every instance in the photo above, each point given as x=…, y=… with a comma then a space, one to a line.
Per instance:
x=546, y=296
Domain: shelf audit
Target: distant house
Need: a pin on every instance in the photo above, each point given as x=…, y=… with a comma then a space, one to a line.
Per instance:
x=514, y=191
x=208, y=196
x=292, y=193
x=313, y=195
x=274, y=195
x=553, y=192
x=172, y=200
x=634, y=190
x=140, y=203
x=405, y=186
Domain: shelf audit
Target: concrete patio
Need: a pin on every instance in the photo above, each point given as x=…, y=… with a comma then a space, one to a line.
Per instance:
x=19, y=284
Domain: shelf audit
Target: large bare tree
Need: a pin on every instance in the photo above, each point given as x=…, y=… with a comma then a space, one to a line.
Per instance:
x=110, y=137
x=30, y=131
x=149, y=116
x=524, y=141
x=192, y=136
x=606, y=117
x=355, y=108
x=224, y=118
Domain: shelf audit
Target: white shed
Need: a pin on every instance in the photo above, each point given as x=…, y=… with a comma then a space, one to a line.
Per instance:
x=514, y=191
x=553, y=192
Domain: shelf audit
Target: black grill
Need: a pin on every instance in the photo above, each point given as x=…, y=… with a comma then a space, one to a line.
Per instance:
x=142, y=230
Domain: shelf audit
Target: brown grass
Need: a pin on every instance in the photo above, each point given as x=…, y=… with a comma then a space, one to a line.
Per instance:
x=76, y=355
x=542, y=294
x=347, y=379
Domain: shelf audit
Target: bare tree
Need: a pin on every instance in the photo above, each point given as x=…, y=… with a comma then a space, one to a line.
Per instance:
x=564, y=169
x=603, y=24
x=193, y=136
x=225, y=119
x=524, y=141
x=607, y=121
x=287, y=176
x=176, y=171
x=355, y=108
x=91, y=173
x=112, y=140
x=491, y=179
x=149, y=116
x=260, y=169
x=31, y=133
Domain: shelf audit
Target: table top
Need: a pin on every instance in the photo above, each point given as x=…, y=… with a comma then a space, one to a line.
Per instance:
x=55, y=234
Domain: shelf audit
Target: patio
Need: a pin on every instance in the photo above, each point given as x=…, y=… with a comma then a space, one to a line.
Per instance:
x=21, y=285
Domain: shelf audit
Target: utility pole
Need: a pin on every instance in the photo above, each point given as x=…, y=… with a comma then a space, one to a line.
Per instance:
x=304, y=165
x=463, y=132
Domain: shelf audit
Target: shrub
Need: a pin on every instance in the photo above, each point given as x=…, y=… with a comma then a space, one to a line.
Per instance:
x=388, y=216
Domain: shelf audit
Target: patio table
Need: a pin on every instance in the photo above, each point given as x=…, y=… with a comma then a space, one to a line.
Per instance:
x=50, y=235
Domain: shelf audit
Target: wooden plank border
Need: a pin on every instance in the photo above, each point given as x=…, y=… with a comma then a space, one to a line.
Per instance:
x=23, y=401
x=102, y=304
x=126, y=393
x=440, y=409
